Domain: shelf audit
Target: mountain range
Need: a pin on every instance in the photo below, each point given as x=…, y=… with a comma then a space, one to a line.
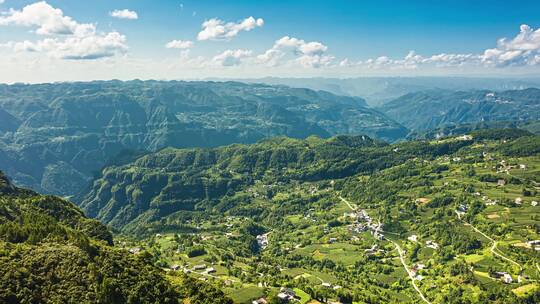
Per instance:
x=53, y=137
x=433, y=109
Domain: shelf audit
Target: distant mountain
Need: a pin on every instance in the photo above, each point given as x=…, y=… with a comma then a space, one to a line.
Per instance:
x=437, y=108
x=378, y=90
x=54, y=136
x=529, y=127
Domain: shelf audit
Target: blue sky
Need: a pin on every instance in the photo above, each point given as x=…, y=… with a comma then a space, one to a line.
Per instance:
x=338, y=38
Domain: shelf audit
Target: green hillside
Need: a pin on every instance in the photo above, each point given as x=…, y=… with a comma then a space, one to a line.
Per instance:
x=51, y=253
x=172, y=180
x=455, y=213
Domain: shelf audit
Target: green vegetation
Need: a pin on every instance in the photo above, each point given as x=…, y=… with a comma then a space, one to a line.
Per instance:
x=51, y=253
x=54, y=137
x=285, y=213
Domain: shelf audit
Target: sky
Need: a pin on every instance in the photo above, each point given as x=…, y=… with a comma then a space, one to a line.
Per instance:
x=66, y=40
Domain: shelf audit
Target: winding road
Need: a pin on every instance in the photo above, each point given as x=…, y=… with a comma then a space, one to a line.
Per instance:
x=493, y=246
x=401, y=258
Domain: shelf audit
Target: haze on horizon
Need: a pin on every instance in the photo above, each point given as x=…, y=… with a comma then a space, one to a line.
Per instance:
x=45, y=41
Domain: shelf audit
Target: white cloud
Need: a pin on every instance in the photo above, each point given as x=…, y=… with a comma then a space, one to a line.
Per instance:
x=2, y=1
x=524, y=49
x=47, y=19
x=76, y=48
x=124, y=14
x=68, y=38
x=307, y=54
x=179, y=44
x=216, y=29
x=231, y=57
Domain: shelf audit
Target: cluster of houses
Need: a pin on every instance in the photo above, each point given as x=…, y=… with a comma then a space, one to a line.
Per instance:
x=487, y=201
x=286, y=295
x=363, y=222
x=504, y=167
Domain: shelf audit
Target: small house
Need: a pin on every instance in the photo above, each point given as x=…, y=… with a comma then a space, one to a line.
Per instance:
x=260, y=301
x=507, y=278
x=135, y=250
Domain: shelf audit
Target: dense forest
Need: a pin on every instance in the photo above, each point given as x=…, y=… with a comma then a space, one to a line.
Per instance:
x=51, y=253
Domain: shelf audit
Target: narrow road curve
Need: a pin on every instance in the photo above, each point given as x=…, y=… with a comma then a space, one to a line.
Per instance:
x=401, y=258
x=493, y=246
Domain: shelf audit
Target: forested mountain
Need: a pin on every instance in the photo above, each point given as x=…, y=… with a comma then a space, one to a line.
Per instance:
x=51, y=253
x=435, y=108
x=347, y=219
x=160, y=184
x=54, y=136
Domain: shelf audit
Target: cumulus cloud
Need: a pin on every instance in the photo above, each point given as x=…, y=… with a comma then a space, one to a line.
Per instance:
x=47, y=19
x=231, y=57
x=67, y=39
x=307, y=54
x=87, y=47
x=179, y=44
x=124, y=14
x=524, y=49
x=216, y=29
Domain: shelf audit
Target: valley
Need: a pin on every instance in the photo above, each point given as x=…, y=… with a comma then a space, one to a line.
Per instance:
x=428, y=228
x=267, y=152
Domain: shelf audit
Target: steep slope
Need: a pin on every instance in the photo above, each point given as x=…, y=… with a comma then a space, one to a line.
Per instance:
x=436, y=108
x=51, y=253
x=65, y=132
x=175, y=180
